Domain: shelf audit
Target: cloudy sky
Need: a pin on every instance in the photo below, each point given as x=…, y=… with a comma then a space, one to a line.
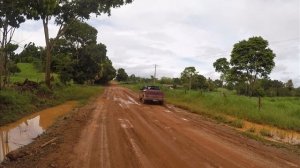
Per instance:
x=175, y=34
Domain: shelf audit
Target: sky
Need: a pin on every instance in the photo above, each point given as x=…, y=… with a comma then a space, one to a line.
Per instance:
x=174, y=34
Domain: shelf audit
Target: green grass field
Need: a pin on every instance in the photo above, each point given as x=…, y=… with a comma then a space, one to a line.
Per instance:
x=27, y=71
x=282, y=112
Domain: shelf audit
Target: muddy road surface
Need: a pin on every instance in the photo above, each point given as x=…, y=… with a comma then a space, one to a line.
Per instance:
x=123, y=133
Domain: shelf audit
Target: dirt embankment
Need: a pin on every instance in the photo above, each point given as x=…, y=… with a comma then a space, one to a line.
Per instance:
x=117, y=131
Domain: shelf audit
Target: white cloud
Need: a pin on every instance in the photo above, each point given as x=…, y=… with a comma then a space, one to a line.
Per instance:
x=175, y=34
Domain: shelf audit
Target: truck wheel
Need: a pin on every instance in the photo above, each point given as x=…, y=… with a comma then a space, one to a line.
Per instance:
x=143, y=101
x=161, y=102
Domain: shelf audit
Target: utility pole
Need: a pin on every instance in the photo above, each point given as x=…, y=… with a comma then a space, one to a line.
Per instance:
x=154, y=73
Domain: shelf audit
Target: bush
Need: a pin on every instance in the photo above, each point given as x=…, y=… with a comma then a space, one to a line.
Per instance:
x=43, y=90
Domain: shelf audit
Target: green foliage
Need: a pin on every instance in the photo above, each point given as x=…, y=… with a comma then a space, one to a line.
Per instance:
x=11, y=11
x=43, y=91
x=13, y=68
x=121, y=75
x=65, y=69
x=30, y=54
x=86, y=61
x=80, y=34
x=222, y=65
x=107, y=72
x=250, y=60
x=290, y=85
x=166, y=80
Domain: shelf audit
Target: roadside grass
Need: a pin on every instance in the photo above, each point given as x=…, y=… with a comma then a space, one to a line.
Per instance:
x=15, y=104
x=281, y=112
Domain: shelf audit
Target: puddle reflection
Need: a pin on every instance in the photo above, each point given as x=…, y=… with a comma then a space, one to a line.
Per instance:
x=23, y=132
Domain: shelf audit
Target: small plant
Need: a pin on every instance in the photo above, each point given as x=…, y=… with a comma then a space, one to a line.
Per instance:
x=44, y=90
x=252, y=129
x=265, y=132
x=237, y=123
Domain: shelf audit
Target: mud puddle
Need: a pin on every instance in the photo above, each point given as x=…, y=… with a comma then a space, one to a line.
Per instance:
x=269, y=132
x=23, y=131
x=275, y=134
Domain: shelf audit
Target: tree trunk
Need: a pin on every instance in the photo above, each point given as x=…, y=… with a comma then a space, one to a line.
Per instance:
x=190, y=83
x=1, y=67
x=48, y=54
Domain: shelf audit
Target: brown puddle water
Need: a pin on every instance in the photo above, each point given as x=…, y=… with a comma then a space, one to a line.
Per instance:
x=277, y=134
x=23, y=131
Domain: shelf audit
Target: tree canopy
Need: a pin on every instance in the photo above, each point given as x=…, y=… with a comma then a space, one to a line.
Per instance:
x=66, y=14
x=250, y=60
x=121, y=75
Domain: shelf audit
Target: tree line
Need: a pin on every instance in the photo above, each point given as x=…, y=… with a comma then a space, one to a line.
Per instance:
x=247, y=72
x=71, y=43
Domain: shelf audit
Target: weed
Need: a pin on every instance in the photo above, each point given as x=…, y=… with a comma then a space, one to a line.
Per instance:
x=265, y=132
x=237, y=123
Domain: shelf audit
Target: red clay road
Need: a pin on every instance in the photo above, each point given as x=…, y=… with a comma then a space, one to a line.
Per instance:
x=124, y=133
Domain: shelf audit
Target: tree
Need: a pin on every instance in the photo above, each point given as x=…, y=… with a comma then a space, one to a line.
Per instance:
x=218, y=83
x=222, y=65
x=65, y=13
x=200, y=82
x=30, y=53
x=121, y=75
x=289, y=84
x=251, y=59
x=188, y=75
x=78, y=57
x=10, y=18
x=166, y=80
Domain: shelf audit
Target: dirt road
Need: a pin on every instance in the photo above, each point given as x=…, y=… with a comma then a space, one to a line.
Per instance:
x=123, y=133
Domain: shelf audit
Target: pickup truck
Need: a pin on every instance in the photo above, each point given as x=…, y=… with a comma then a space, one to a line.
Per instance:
x=151, y=93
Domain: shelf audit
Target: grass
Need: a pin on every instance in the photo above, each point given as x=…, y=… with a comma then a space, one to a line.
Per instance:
x=265, y=132
x=15, y=105
x=27, y=71
x=237, y=123
x=281, y=112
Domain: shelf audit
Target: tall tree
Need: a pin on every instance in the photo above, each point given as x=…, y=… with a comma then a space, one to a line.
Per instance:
x=65, y=12
x=10, y=18
x=289, y=84
x=252, y=59
x=188, y=75
x=222, y=65
x=121, y=75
